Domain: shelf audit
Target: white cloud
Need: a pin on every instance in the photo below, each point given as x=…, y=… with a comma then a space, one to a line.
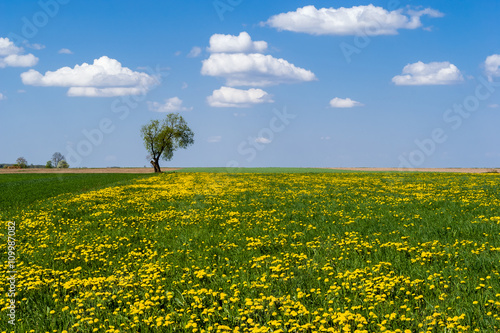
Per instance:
x=213, y=139
x=254, y=69
x=239, y=61
x=12, y=56
x=195, y=51
x=325, y=138
x=344, y=103
x=104, y=78
x=357, y=20
x=170, y=105
x=235, y=44
x=184, y=85
x=493, y=106
x=7, y=47
x=237, y=98
x=65, y=51
x=19, y=60
x=434, y=73
x=492, y=66
x=2, y=96
x=21, y=91
x=262, y=140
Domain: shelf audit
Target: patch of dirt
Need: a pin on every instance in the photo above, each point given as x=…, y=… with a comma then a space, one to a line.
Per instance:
x=86, y=170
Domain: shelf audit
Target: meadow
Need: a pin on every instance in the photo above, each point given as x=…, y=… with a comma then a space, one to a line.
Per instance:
x=21, y=190
x=259, y=252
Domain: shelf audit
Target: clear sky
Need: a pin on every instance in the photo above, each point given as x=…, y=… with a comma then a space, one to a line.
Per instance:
x=261, y=83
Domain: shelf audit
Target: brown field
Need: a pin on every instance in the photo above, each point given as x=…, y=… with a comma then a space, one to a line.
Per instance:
x=463, y=170
x=150, y=170
x=85, y=170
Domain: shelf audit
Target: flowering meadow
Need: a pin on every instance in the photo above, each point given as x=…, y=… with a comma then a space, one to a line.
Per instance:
x=257, y=252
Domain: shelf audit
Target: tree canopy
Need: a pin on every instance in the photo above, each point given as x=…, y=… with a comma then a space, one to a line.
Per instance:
x=162, y=138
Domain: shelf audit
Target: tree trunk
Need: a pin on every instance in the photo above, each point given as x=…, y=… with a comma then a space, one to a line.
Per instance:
x=156, y=165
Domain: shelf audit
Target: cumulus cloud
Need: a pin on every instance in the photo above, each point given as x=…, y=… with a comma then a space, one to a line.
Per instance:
x=236, y=44
x=7, y=47
x=104, y=78
x=2, y=96
x=195, y=51
x=434, y=73
x=238, y=59
x=357, y=20
x=65, y=51
x=492, y=66
x=170, y=105
x=19, y=60
x=12, y=55
x=238, y=98
x=344, y=103
x=254, y=69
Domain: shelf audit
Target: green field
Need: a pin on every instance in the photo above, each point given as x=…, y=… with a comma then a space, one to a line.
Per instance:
x=261, y=170
x=255, y=252
x=21, y=190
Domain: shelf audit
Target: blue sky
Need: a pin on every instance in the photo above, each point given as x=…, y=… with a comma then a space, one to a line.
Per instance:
x=281, y=83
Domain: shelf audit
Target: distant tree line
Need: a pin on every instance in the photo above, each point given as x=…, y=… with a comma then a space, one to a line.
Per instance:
x=57, y=161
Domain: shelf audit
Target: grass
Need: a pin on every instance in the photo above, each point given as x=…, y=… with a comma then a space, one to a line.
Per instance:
x=263, y=252
x=260, y=170
x=21, y=190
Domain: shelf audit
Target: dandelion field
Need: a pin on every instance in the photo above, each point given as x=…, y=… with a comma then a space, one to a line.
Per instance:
x=256, y=252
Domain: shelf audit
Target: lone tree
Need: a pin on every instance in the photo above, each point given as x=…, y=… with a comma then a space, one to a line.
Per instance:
x=56, y=158
x=161, y=139
x=21, y=162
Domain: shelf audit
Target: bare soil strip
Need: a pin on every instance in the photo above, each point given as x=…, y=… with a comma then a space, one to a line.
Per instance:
x=86, y=170
x=460, y=170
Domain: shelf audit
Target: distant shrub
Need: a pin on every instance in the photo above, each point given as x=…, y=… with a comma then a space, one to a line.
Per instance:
x=62, y=164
